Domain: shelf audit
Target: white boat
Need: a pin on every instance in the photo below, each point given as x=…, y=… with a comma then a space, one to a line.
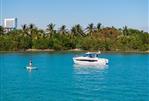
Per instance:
x=90, y=58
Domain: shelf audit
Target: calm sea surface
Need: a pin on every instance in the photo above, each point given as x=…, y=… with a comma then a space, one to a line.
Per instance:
x=126, y=78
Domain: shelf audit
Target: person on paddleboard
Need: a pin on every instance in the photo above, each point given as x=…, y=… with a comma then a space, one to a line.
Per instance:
x=30, y=63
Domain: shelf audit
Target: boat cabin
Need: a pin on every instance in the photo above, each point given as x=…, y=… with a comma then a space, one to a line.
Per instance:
x=91, y=54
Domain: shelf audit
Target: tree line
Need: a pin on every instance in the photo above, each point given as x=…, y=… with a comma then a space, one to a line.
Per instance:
x=93, y=37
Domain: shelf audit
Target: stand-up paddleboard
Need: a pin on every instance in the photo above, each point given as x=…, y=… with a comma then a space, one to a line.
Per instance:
x=31, y=68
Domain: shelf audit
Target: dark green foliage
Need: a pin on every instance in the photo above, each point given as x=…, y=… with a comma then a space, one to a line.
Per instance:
x=92, y=38
x=1, y=30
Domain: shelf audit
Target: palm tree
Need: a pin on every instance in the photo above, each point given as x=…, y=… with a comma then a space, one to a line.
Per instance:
x=50, y=29
x=73, y=31
x=90, y=28
x=125, y=31
x=77, y=30
x=24, y=27
x=63, y=29
x=24, y=30
x=32, y=31
x=98, y=26
x=31, y=28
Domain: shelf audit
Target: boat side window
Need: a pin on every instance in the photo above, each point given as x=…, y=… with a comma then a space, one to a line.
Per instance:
x=91, y=55
x=87, y=60
x=86, y=55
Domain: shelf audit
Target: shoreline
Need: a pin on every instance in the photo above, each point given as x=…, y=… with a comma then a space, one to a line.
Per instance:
x=74, y=50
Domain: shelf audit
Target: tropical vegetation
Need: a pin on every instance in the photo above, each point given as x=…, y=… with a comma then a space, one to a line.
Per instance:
x=93, y=37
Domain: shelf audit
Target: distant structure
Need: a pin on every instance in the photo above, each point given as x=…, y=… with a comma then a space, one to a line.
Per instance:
x=10, y=24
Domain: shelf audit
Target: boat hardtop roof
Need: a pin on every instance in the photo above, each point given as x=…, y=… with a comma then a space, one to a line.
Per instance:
x=93, y=52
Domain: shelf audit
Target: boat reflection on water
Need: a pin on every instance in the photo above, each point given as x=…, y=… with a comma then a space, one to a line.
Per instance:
x=89, y=78
x=101, y=67
x=89, y=69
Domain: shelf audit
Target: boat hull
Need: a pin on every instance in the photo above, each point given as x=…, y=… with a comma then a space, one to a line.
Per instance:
x=100, y=61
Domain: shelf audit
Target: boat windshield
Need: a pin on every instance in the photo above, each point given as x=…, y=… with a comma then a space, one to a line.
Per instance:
x=91, y=55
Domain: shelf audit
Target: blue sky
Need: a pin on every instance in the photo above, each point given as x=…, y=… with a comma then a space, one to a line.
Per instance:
x=118, y=13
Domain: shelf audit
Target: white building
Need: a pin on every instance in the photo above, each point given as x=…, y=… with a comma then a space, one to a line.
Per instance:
x=10, y=23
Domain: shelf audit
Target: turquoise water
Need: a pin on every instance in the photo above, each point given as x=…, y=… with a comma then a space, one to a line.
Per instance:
x=126, y=78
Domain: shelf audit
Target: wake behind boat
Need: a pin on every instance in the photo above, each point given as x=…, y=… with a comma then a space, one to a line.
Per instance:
x=90, y=58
